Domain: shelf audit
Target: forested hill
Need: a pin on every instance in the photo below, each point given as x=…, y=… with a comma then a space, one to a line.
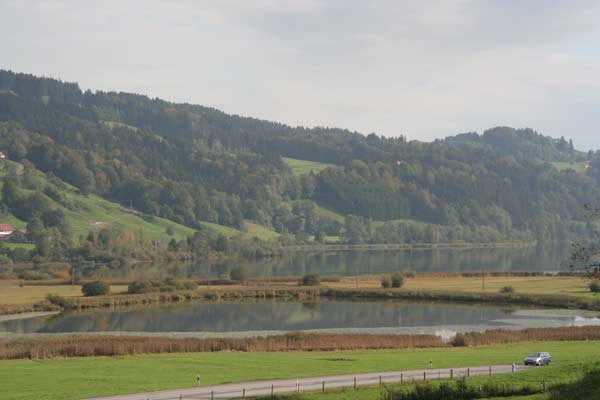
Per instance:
x=189, y=164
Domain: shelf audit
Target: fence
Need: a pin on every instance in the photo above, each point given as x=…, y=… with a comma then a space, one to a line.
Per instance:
x=252, y=389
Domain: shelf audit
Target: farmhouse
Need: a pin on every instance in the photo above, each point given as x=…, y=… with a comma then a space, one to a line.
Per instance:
x=5, y=230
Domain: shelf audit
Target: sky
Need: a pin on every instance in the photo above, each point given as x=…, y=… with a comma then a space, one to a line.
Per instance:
x=422, y=69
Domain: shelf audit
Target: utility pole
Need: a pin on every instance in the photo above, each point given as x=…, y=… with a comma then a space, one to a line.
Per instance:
x=482, y=280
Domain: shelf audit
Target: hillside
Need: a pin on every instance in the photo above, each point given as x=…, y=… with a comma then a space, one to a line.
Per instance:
x=194, y=165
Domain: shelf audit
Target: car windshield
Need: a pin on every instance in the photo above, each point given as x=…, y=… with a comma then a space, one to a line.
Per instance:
x=534, y=355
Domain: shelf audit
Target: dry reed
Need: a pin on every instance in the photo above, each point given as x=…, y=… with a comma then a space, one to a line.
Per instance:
x=100, y=345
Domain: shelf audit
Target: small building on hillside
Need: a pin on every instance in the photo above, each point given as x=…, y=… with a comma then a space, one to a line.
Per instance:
x=5, y=230
x=18, y=236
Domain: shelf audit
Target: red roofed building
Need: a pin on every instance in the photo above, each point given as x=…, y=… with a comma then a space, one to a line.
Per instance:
x=5, y=230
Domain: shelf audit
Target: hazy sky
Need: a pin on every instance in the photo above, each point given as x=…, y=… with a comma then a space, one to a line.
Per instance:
x=424, y=69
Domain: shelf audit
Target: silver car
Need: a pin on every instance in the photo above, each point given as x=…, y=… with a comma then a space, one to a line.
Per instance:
x=540, y=358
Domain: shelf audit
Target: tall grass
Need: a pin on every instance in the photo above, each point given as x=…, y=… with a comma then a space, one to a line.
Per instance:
x=557, y=301
x=100, y=345
x=115, y=345
x=498, y=336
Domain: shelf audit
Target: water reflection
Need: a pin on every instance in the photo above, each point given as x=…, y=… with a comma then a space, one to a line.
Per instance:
x=289, y=316
x=346, y=263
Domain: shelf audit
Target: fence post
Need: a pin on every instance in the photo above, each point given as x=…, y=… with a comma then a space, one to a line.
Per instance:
x=468, y=372
x=323, y=390
x=272, y=387
x=180, y=397
x=354, y=382
x=451, y=373
x=243, y=393
x=424, y=375
x=379, y=380
x=401, y=377
x=212, y=395
x=490, y=370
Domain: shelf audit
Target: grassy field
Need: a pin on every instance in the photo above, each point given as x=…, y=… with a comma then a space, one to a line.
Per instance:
x=301, y=167
x=555, y=285
x=12, y=294
x=578, y=167
x=75, y=378
x=326, y=213
x=259, y=231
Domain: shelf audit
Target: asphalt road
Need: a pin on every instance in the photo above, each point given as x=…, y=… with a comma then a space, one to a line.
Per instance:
x=256, y=388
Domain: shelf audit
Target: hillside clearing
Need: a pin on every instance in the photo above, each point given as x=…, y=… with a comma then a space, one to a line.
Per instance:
x=301, y=167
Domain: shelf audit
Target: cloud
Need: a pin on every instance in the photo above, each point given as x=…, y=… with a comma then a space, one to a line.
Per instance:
x=423, y=69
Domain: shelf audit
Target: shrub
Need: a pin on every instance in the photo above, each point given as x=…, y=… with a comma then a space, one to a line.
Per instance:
x=5, y=260
x=239, y=274
x=57, y=300
x=507, y=289
x=386, y=282
x=397, y=280
x=96, y=288
x=410, y=274
x=170, y=231
x=310, y=280
x=459, y=340
x=595, y=287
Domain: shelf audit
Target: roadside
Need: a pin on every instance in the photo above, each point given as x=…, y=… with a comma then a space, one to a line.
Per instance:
x=316, y=384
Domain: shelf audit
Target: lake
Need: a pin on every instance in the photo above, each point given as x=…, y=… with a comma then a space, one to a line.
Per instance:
x=348, y=263
x=270, y=317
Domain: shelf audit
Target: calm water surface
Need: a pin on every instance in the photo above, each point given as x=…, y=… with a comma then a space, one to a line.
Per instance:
x=274, y=316
x=348, y=263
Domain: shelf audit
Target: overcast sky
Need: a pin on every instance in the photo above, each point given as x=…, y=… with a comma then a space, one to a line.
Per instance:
x=424, y=69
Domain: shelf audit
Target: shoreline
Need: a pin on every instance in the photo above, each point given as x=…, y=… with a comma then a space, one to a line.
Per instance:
x=301, y=293
x=405, y=246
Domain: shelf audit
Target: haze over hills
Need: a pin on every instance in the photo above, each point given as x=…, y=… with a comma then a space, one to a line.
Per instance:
x=196, y=166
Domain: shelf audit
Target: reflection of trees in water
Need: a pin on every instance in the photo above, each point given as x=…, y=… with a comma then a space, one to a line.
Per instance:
x=227, y=317
x=345, y=263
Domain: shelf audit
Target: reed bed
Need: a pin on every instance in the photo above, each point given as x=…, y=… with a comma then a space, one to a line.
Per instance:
x=119, y=345
x=541, y=300
x=100, y=345
x=499, y=336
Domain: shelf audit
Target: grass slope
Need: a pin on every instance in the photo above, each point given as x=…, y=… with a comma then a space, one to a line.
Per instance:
x=259, y=231
x=76, y=378
x=577, y=167
x=301, y=167
x=94, y=213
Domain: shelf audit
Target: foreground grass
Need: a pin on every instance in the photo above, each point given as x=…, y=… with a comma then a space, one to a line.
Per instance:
x=547, y=285
x=76, y=378
x=12, y=294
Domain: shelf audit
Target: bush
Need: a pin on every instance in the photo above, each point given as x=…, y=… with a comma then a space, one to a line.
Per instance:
x=310, y=280
x=507, y=289
x=96, y=288
x=595, y=287
x=397, y=280
x=239, y=274
x=410, y=274
x=168, y=285
x=386, y=282
x=57, y=300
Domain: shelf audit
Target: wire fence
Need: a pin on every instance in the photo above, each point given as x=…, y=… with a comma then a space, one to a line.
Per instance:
x=323, y=384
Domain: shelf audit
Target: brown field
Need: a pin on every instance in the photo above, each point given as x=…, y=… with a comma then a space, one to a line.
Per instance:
x=11, y=294
x=546, y=285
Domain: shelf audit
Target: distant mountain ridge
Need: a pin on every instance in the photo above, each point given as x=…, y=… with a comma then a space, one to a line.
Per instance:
x=190, y=163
